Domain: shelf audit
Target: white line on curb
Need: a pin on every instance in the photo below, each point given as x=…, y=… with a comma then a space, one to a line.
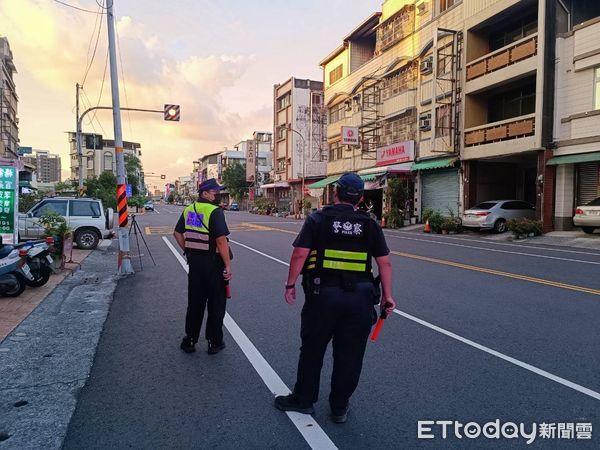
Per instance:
x=529, y=367
x=308, y=427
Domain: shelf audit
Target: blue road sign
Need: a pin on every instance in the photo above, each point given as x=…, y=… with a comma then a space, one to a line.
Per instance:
x=128, y=191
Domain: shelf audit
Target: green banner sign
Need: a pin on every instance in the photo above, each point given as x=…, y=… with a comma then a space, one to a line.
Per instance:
x=8, y=189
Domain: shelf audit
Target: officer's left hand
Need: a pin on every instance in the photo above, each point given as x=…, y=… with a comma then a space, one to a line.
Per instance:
x=290, y=296
x=389, y=304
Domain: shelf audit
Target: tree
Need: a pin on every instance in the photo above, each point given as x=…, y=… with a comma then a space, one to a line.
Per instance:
x=133, y=166
x=67, y=185
x=234, y=179
x=103, y=187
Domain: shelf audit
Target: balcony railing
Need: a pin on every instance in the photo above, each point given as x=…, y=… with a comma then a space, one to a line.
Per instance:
x=511, y=54
x=501, y=131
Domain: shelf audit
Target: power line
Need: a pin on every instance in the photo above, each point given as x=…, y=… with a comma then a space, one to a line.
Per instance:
x=94, y=116
x=102, y=85
x=94, y=53
x=78, y=8
x=124, y=83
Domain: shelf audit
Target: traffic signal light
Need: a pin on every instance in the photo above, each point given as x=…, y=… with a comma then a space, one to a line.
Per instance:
x=163, y=177
x=172, y=113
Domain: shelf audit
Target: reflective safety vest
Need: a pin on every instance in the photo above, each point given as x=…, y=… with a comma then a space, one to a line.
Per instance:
x=343, y=244
x=196, y=218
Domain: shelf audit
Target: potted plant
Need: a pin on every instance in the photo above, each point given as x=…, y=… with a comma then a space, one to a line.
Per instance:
x=56, y=226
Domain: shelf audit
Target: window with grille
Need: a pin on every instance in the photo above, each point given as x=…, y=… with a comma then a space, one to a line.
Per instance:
x=336, y=74
x=444, y=60
x=336, y=151
x=284, y=101
x=394, y=29
x=401, y=128
x=337, y=112
x=400, y=82
x=443, y=122
x=445, y=4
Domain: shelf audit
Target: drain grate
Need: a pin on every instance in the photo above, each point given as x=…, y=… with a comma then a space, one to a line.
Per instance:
x=91, y=280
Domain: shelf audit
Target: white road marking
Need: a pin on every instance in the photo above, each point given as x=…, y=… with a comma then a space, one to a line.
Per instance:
x=308, y=427
x=493, y=250
x=156, y=211
x=506, y=244
x=529, y=367
x=543, y=373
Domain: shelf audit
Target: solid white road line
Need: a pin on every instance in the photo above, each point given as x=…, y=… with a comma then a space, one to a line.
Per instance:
x=502, y=356
x=526, y=366
x=308, y=427
x=506, y=244
x=156, y=211
x=493, y=250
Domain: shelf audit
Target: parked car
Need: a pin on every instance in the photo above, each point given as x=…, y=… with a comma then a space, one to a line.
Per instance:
x=233, y=206
x=149, y=206
x=588, y=217
x=85, y=216
x=493, y=214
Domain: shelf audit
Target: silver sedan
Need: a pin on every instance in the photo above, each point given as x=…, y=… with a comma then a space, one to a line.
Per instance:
x=493, y=214
x=588, y=217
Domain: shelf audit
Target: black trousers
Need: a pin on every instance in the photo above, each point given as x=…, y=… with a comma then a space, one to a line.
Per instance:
x=206, y=290
x=345, y=318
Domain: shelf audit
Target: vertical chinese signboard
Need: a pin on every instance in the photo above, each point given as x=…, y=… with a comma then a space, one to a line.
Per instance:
x=250, y=161
x=8, y=203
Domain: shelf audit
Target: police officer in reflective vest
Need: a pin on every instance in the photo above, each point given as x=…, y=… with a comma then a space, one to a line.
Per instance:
x=333, y=251
x=202, y=233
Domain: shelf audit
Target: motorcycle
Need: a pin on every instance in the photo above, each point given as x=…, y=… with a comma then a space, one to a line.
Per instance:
x=13, y=270
x=39, y=261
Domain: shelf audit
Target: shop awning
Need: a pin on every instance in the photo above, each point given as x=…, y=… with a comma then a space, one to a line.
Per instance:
x=325, y=182
x=372, y=176
x=574, y=159
x=279, y=184
x=440, y=163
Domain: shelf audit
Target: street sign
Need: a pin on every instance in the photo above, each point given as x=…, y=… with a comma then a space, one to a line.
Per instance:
x=350, y=136
x=128, y=191
x=396, y=153
x=94, y=141
x=172, y=113
x=24, y=151
x=8, y=203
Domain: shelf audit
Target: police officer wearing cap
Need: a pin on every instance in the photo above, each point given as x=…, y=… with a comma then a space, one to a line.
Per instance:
x=333, y=252
x=202, y=233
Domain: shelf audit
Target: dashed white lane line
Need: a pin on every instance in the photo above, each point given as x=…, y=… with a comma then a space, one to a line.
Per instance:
x=494, y=250
x=308, y=427
x=529, y=367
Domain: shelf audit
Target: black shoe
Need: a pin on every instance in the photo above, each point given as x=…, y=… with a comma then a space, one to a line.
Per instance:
x=291, y=403
x=188, y=345
x=340, y=415
x=213, y=348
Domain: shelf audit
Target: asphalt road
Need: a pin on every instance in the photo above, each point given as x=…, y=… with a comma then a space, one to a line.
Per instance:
x=483, y=331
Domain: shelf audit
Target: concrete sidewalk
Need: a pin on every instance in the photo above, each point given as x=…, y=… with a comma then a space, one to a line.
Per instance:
x=46, y=359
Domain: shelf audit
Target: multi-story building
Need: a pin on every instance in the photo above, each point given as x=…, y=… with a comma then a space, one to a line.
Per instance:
x=577, y=114
x=405, y=103
x=101, y=159
x=48, y=167
x=9, y=123
x=208, y=167
x=300, y=147
x=264, y=161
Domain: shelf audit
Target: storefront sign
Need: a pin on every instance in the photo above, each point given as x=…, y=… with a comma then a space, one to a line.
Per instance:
x=8, y=203
x=396, y=153
x=350, y=136
x=250, y=161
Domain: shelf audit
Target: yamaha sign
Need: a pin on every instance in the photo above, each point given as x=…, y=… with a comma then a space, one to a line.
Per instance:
x=350, y=136
x=396, y=153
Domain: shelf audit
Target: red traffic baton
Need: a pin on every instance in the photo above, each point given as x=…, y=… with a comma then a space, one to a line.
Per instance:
x=379, y=324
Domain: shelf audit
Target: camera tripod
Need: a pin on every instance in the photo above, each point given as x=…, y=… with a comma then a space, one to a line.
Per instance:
x=136, y=228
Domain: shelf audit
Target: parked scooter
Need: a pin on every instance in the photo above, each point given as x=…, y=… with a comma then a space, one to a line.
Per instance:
x=39, y=261
x=13, y=270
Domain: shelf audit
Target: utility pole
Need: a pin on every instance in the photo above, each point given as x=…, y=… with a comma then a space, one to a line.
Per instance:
x=124, y=261
x=78, y=138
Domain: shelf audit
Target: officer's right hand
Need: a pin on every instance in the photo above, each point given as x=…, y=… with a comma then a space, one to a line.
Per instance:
x=290, y=296
x=389, y=305
x=227, y=274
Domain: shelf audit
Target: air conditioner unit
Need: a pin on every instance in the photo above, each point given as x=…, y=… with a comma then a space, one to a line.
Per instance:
x=427, y=65
x=425, y=122
x=421, y=7
x=348, y=104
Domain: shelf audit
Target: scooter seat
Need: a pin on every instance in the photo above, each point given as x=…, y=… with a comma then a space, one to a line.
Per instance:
x=5, y=250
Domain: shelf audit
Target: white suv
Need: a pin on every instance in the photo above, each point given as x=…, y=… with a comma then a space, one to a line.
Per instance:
x=84, y=216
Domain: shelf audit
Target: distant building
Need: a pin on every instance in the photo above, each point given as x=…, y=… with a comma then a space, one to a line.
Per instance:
x=48, y=167
x=9, y=123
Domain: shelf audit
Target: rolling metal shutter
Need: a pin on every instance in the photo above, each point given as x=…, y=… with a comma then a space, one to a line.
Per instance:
x=587, y=183
x=440, y=191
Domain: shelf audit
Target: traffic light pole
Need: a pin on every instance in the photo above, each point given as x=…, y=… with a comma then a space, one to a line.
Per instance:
x=124, y=262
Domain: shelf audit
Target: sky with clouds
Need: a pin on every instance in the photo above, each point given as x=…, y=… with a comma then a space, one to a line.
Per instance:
x=218, y=59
